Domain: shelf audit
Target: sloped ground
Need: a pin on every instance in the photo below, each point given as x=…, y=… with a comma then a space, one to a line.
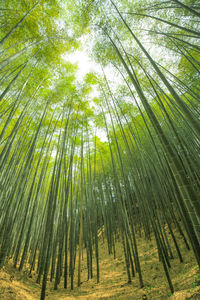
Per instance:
x=113, y=279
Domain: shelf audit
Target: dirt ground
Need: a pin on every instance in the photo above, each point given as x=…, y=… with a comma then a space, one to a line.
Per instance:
x=15, y=285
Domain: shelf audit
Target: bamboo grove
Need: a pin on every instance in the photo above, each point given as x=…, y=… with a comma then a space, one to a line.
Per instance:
x=61, y=185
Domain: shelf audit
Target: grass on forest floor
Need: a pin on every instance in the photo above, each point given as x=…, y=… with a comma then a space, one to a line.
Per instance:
x=113, y=278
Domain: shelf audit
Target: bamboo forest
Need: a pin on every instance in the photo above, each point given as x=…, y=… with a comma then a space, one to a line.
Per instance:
x=99, y=149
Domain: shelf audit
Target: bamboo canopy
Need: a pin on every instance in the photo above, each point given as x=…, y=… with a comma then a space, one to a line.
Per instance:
x=114, y=152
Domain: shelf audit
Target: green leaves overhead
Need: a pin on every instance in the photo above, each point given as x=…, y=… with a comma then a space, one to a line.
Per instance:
x=115, y=149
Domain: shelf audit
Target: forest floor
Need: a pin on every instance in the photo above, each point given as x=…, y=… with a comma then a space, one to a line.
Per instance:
x=113, y=278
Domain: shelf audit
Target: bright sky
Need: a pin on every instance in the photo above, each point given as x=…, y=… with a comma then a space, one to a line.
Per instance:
x=85, y=65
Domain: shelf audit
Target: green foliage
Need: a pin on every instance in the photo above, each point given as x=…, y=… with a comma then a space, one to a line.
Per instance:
x=116, y=150
x=196, y=282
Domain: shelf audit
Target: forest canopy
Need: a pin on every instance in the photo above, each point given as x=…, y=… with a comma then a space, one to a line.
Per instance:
x=115, y=150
